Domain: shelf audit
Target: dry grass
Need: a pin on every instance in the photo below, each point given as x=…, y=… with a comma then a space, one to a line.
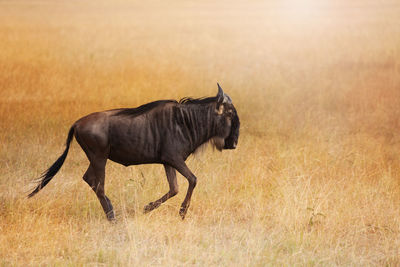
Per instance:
x=315, y=179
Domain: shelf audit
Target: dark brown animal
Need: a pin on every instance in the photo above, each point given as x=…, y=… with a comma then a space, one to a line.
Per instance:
x=164, y=132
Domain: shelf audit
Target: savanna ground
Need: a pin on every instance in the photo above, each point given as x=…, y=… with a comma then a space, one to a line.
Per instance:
x=315, y=179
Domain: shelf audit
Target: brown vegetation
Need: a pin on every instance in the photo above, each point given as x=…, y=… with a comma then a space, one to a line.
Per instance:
x=315, y=179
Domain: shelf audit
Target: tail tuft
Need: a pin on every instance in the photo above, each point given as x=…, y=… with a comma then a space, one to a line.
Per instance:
x=52, y=171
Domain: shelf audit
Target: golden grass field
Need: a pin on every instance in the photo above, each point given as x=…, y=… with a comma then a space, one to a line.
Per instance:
x=315, y=180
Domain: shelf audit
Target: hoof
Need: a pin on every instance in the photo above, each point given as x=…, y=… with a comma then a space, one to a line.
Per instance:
x=182, y=213
x=110, y=216
x=112, y=221
x=149, y=207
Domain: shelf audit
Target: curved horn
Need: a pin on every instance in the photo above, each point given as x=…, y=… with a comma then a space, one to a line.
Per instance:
x=220, y=95
x=220, y=91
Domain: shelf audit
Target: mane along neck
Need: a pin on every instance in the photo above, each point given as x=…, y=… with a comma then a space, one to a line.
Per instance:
x=198, y=123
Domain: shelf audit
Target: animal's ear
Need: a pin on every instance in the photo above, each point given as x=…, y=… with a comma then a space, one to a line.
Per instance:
x=220, y=95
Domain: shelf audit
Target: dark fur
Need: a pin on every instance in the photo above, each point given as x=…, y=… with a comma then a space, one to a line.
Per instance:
x=164, y=132
x=143, y=108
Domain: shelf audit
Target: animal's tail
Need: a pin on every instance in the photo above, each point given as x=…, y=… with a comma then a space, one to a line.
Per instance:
x=50, y=172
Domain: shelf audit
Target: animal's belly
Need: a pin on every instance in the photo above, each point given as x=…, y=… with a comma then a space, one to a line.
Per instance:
x=131, y=157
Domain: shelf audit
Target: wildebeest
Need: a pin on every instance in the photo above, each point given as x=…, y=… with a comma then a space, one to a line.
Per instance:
x=164, y=132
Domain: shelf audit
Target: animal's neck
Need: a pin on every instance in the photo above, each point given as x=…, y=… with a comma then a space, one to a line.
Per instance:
x=199, y=121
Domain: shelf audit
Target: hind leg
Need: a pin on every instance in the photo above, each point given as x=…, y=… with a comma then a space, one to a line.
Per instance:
x=95, y=176
x=93, y=139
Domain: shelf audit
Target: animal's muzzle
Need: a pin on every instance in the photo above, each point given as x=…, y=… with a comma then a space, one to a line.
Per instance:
x=230, y=143
x=232, y=140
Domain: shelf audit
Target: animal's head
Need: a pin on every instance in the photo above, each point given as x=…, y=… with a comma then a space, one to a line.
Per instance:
x=228, y=123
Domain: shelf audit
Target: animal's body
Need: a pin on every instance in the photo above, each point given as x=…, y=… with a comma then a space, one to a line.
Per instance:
x=164, y=132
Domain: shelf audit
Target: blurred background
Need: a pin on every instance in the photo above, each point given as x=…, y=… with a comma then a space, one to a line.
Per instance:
x=315, y=179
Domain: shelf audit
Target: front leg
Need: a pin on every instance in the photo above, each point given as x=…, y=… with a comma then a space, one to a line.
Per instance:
x=184, y=170
x=173, y=189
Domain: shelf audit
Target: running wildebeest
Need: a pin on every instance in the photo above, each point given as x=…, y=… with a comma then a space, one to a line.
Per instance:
x=164, y=132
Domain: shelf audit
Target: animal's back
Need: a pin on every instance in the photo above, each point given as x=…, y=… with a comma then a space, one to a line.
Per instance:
x=133, y=112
